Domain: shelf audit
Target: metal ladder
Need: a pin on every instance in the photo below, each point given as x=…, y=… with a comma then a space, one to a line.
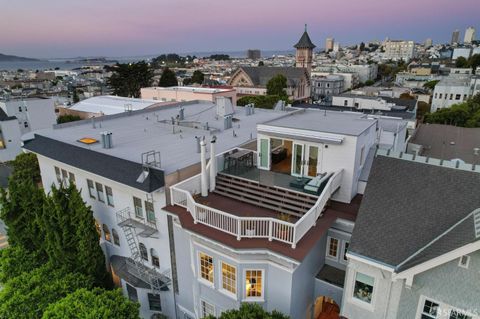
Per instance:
x=137, y=266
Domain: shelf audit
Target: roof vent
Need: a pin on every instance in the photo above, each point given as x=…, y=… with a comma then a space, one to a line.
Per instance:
x=107, y=139
x=476, y=219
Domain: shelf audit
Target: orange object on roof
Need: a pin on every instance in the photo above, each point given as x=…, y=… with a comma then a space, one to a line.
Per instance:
x=88, y=140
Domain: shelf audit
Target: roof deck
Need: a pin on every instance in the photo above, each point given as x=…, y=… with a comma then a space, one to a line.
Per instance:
x=333, y=212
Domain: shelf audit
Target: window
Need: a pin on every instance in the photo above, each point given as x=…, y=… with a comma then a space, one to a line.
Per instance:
x=464, y=261
x=137, y=204
x=206, y=267
x=345, y=103
x=58, y=175
x=229, y=278
x=116, y=239
x=430, y=310
x=19, y=109
x=345, y=250
x=207, y=309
x=150, y=211
x=143, y=251
x=71, y=178
x=25, y=124
x=362, y=155
x=458, y=97
x=440, y=96
x=100, y=195
x=363, y=289
x=451, y=96
x=332, y=248
x=108, y=191
x=155, y=258
x=64, y=176
x=106, y=233
x=132, y=293
x=154, y=302
x=98, y=228
x=91, y=189
x=254, y=283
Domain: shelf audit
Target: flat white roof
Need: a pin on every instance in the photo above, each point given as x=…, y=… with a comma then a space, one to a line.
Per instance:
x=142, y=131
x=109, y=104
x=191, y=89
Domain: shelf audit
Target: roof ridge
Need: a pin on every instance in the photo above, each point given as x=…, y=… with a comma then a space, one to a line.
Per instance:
x=437, y=238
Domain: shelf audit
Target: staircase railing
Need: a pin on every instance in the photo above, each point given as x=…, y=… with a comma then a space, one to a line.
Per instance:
x=136, y=265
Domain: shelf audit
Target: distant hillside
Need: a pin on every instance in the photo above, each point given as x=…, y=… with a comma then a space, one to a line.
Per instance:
x=14, y=58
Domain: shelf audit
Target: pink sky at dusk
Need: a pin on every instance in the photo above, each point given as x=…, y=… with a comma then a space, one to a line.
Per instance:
x=53, y=28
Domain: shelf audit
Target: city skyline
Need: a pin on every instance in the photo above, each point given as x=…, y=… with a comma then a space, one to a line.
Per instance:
x=123, y=28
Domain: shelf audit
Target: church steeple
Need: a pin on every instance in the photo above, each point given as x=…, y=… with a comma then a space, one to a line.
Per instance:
x=304, y=55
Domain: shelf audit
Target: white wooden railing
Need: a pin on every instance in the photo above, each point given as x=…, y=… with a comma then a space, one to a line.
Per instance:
x=251, y=227
x=303, y=225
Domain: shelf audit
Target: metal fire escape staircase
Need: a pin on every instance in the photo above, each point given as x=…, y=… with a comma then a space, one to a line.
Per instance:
x=133, y=227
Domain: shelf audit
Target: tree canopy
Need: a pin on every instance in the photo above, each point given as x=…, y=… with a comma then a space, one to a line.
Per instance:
x=250, y=311
x=29, y=294
x=431, y=84
x=168, y=78
x=97, y=303
x=277, y=85
x=68, y=118
x=198, y=77
x=466, y=114
x=261, y=101
x=171, y=60
x=219, y=57
x=71, y=239
x=461, y=62
x=128, y=78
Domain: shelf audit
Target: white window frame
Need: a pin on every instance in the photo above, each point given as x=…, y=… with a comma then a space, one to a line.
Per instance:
x=200, y=278
x=220, y=275
x=256, y=299
x=358, y=302
x=100, y=192
x=203, y=314
x=460, y=262
x=91, y=190
x=444, y=310
x=327, y=253
x=110, y=201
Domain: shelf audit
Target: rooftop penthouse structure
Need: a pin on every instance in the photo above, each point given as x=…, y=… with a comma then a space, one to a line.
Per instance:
x=206, y=205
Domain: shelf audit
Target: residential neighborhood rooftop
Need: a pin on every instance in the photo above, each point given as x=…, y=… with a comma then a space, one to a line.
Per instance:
x=109, y=104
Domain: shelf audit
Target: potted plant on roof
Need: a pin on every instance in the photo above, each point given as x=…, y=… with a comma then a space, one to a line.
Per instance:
x=282, y=230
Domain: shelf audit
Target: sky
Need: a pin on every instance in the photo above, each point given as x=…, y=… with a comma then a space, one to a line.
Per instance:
x=71, y=28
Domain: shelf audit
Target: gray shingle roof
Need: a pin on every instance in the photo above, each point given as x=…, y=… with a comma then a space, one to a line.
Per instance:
x=262, y=74
x=305, y=42
x=114, y=168
x=409, y=209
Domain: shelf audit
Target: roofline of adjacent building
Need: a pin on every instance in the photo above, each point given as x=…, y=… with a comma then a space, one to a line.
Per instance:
x=370, y=261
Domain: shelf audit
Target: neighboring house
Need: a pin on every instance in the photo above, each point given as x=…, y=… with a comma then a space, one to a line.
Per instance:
x=324, y=86
x=188, y=239
x=446, y=142
x=454, y=89
x=19, y=117
x=107, y=105
x=253, y=81
x=187, y=93
x=415, y=251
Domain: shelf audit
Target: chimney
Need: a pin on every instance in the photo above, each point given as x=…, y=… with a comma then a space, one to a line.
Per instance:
x=213, y=164
x=203, y=162
x=198, y=138
x=107, y=140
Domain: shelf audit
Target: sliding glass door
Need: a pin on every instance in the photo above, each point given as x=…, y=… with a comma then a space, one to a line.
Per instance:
x=297, y=160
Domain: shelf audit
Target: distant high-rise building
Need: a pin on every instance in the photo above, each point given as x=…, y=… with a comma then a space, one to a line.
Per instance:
x=336, y=47
x=329, y=44
x=254, y=54
x=304, y=54
x=428, y=42
x=469, y=35
x=455, y=37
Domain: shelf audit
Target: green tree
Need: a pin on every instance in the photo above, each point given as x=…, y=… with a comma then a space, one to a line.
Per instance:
x=75, y=97
x=25, y=167
x=466, y=114
x=20, y=208
x=422, y=109
x=29, y=294
x=128, y=78
x=431, y=84
x=250, y=311
x=71, y=239
x=277, y=85
x=168, y=78
x=96, y=303
x=262, y=101
x=362, y=47
x=198, y=77
x=16, y=260
x=68, y=118
x=474, y=62
x=187, y=81
x=461, y=62
x=369, y=82
x=261, y=63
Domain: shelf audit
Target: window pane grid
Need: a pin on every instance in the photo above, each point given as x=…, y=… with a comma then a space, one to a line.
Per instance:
x=100, y=195
x=137, y=204
x=108, y=191
x=229, y=278
x=253, y=281
x=207, y=309
x=333, y=247
x=206, y=267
